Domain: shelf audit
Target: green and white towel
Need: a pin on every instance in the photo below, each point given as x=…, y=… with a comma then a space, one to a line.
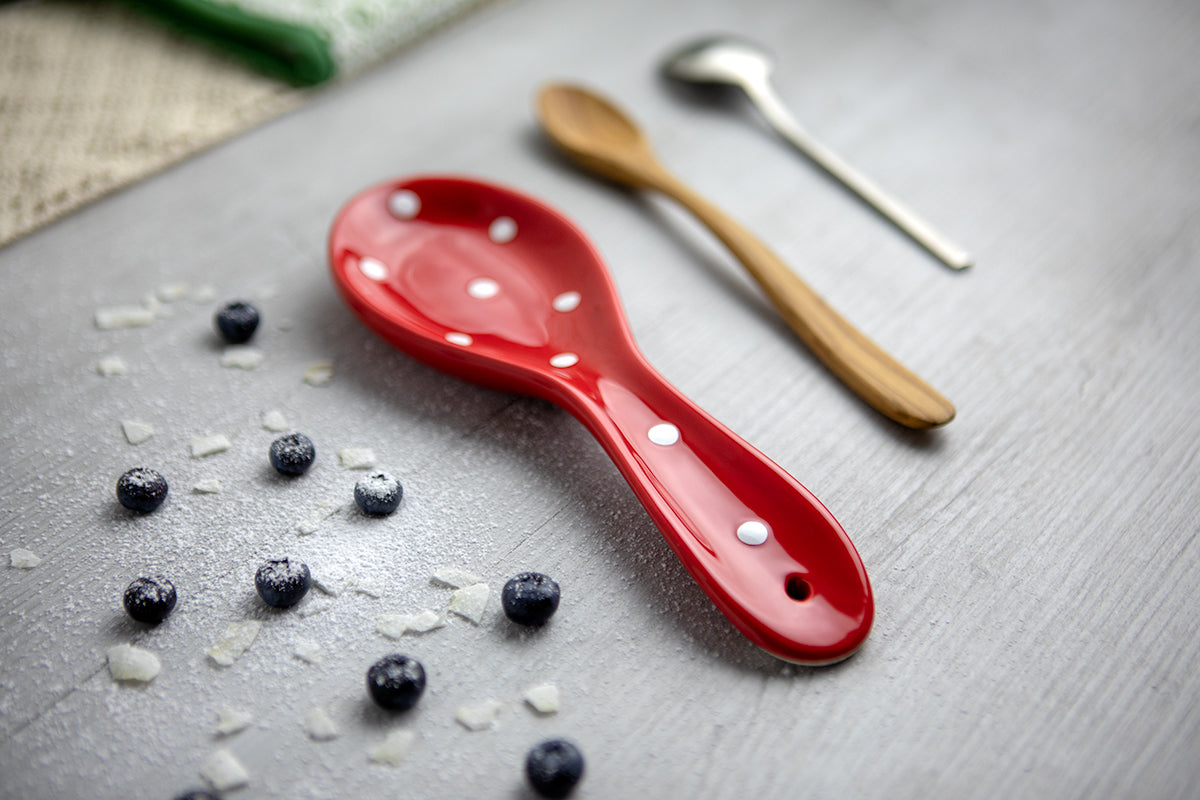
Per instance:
x=307, y=41
x=98, y=95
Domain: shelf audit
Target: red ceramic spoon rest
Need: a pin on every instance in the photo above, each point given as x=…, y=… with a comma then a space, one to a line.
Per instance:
x=495, y=287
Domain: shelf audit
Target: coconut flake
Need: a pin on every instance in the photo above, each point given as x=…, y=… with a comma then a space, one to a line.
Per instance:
x=324, y=510
x=171, y=292
x=543, y=698
x=241, y=357
x=224, y=771
x=232, y=720
x=479, y=717
x=319, y=726
x=275, y=421
x=470, y=601
x=393, y=749
x=23, y=559
x=364, y=586
x=203, y=446
x=115, y=317
x=326, y=586
x=455, y=577
x=112, y=365
x=136, y=431
x=129, y=663
x=307, y=651
x=357, y=457
x=394, y=626
x=237, y=638
x=207, y=486
x=319, y=373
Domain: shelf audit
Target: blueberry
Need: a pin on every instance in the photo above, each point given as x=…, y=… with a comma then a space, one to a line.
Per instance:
x=554, y=767
x=282, y=582
x=396, y=682
x=150, y=600
x=530, y=598
x=237, y=321
x=198, y=794
x=142, y=489
x=378, y=493
x=292, y=454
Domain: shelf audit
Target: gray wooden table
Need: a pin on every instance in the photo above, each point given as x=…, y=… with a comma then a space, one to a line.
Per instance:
x=1035, y=562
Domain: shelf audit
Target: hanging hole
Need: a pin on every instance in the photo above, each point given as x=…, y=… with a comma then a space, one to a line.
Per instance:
x=797, y=588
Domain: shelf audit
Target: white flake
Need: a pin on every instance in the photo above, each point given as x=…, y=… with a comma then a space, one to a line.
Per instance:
x=319, y=726
x=357, y=457
x=326, y=586
x=129, y=663
x=319, y=373
x=241, y=357
x=543, y=698
x=112, y=365
x=237, y=638
x=224, y=771
x=136, y=431
x=394, y=626
x=324, y=510
x=115, y=317
x=232, y=720
x=394, y=748
x=364, y=586
x=203, y=446
x=206, y=293
x=275, y=421
x=479, y=717
x=207, y=486
x=23, y=559
x=307, y=651
x=455, y=577
x=470, y=601
x=171, y=292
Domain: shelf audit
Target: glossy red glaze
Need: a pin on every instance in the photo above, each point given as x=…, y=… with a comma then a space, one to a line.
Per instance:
x=413, y=277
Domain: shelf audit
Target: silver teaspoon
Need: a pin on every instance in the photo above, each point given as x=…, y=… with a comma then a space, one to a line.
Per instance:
x=728, y=61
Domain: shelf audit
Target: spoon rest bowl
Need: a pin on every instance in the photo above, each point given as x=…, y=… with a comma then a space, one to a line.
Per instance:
x=495, y=287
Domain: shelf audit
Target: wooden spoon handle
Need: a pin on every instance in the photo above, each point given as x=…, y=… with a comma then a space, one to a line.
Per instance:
x=871, y=373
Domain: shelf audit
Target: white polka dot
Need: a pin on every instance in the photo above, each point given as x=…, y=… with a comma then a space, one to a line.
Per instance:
x=567, y=301
x=483, y=288
x=404, y=204
x=564, y=360
x=455, y=337
x=502, y=230
x=663, y=433
x=373, y=269
x=753, y=532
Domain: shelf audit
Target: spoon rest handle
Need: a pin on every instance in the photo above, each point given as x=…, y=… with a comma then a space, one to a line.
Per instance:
x=884, y=383
x=764, y=549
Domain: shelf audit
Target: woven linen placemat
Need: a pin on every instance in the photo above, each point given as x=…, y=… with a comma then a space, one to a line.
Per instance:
x=95, y=96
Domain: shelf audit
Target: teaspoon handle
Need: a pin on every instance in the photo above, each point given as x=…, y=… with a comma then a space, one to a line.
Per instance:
x=762, y=547
x=777, y=115
x=884, y=383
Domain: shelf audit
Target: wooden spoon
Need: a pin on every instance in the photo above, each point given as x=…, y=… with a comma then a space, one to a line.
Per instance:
x=601, y=138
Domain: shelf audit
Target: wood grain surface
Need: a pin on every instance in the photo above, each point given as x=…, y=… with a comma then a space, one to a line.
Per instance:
x=1034, y=562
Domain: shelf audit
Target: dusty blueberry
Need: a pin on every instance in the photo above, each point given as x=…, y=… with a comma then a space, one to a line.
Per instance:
x=282, y=582
x=198, y=794
x=292, y=454
x=554, y=767
x=237, y=321
x=378, y=493
x=150, y=600
x=142, y=489
x=530, y=598
x=396, y=682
